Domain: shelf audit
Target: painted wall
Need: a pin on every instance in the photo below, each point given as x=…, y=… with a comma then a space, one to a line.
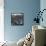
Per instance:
x=29, y=8
x=43, y=6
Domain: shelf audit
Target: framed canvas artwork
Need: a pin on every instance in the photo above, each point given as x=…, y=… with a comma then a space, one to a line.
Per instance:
x=17, y=19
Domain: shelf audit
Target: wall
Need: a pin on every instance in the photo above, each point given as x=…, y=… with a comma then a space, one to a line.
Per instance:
x=29, y=7
x=43, y=6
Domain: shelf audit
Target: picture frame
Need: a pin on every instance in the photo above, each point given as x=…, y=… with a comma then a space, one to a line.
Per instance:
x=17, y=19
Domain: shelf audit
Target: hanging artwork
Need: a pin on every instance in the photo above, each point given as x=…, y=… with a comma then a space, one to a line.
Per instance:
x=17, y=19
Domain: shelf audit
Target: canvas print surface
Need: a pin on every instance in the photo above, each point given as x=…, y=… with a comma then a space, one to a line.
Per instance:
x=17, y=19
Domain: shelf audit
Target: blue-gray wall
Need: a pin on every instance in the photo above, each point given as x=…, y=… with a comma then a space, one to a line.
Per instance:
x=29, y=8
x=43, y=6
